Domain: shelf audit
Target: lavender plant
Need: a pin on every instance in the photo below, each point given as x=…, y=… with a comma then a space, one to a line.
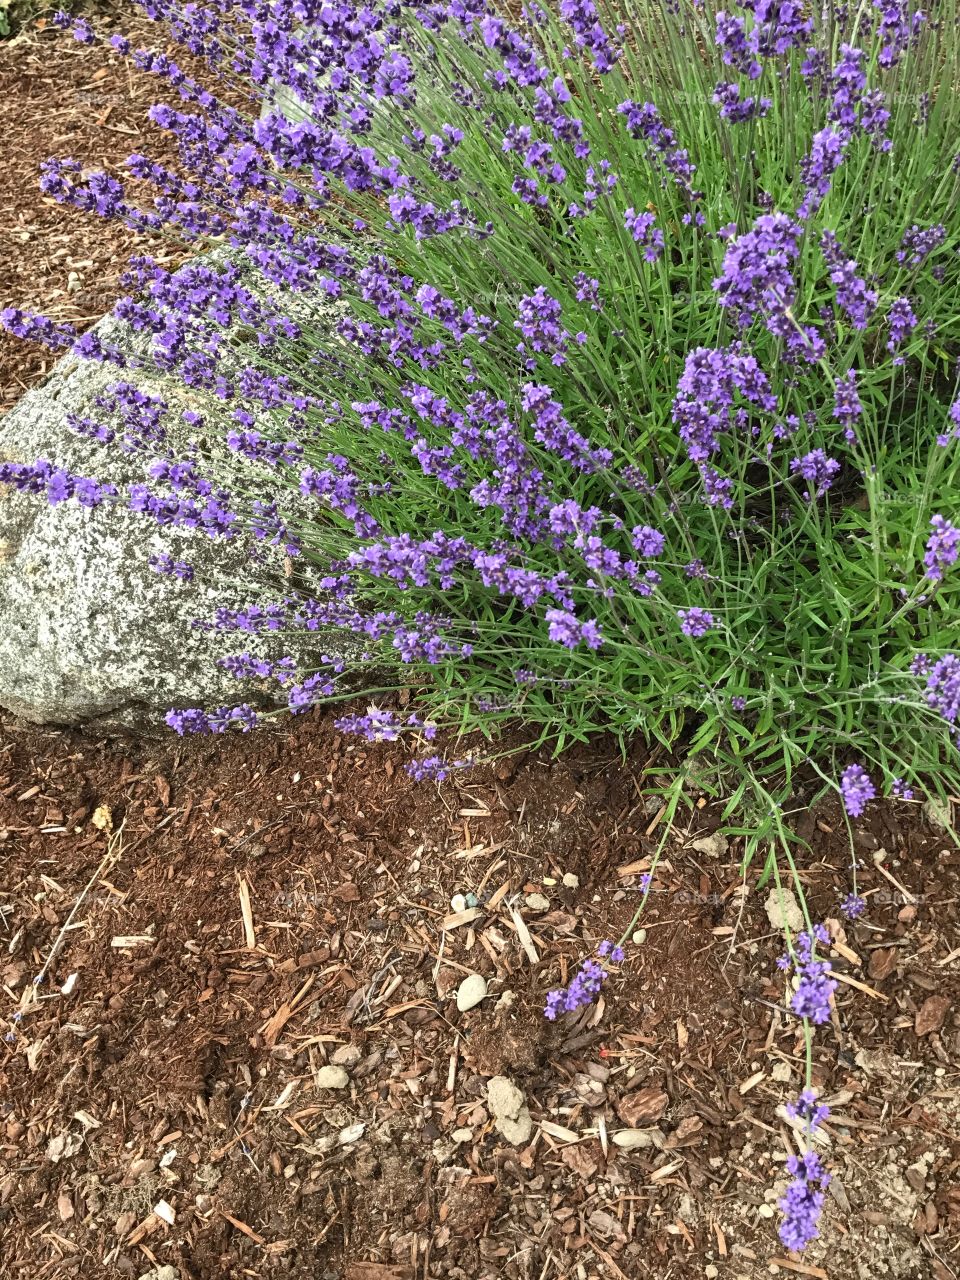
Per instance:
x=600, y=362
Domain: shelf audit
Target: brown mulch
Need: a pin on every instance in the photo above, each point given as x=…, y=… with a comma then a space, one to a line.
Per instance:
x=60, y=98
x=217, y=920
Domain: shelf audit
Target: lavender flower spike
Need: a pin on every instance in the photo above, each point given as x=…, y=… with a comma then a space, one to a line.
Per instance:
x=856, y=789
x=586, y=984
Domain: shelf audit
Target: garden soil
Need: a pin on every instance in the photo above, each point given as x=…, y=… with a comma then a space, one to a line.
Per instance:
x=229, y=968
x=217, y=923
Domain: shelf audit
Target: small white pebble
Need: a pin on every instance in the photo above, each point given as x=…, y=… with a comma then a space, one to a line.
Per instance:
x=766, y=1211
x=471, y=991
x=571, y=881
x=458, y=902
x=639, y=936
x=331, y=1077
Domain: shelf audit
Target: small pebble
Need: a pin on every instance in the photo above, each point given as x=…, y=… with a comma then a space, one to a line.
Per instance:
x=639, y=936
x=471, y=991
x=630, y=1139
x=714, y=846
x=710, y=1271
x=766, y=1211
x=458, y=902
x=571, y=881
x=331, y=1077
x=462, y=1135
x=783, y=910
x=348, y=1055
x=537, y=902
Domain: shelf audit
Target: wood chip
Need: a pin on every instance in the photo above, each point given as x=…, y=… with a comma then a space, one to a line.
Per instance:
x=752, y=1082
x=801, y=1268
x=378, y=1271
x=559, y=1132
x=165, y=1212
x=882, y=963
x=860, y=986
x=634, y=868
x=842, y=949
x=242, y=1227
x=640, y=1109
x=931, y=1014
x=523, y=933
x=249, y=936
x=457, y=918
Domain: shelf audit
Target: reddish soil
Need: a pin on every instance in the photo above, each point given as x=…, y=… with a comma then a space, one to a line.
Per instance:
x=168, y=1063
x=60, y=98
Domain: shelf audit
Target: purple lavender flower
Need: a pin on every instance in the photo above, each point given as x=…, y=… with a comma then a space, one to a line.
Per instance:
x=817, y=469
x=738, y=109
x=852, y=293
x=586, y=983
x=826, y=155
x=919, y=242
x=564, y=628
x=695, y=622
x=808, y=1110
x=856, y=789
x=803, y=1202
x=846, y=405
x=166, y=565
x=705, y=406
x=662, y=151
x=539, y=322
x=647, y=541
x=900, y=791
x=853, y=906
x=815, y=985
x=643, y=228
x=195, y=720
x=756, y=278
x=717, y=489
x=435, y=768
x=377, y=725
x=943, y=686
x=902, y=323
x=847, y=83
x=588, y=290
x=943, y=547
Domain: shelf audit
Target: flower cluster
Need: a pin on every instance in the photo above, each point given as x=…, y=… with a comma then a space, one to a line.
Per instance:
x=814, y=985
x=584, y=987
x=802, y=1204
x=856, y=789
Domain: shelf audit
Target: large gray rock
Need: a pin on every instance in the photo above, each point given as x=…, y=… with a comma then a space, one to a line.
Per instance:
x=88, y=632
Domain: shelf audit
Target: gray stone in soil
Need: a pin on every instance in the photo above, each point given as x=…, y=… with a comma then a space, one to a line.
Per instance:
x=509, y=1109
x=331, y=1077
x=471, y=991
x=939, y=814
x=88, y=632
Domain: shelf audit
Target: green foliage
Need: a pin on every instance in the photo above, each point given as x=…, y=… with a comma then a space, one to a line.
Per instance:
x=820, y=604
